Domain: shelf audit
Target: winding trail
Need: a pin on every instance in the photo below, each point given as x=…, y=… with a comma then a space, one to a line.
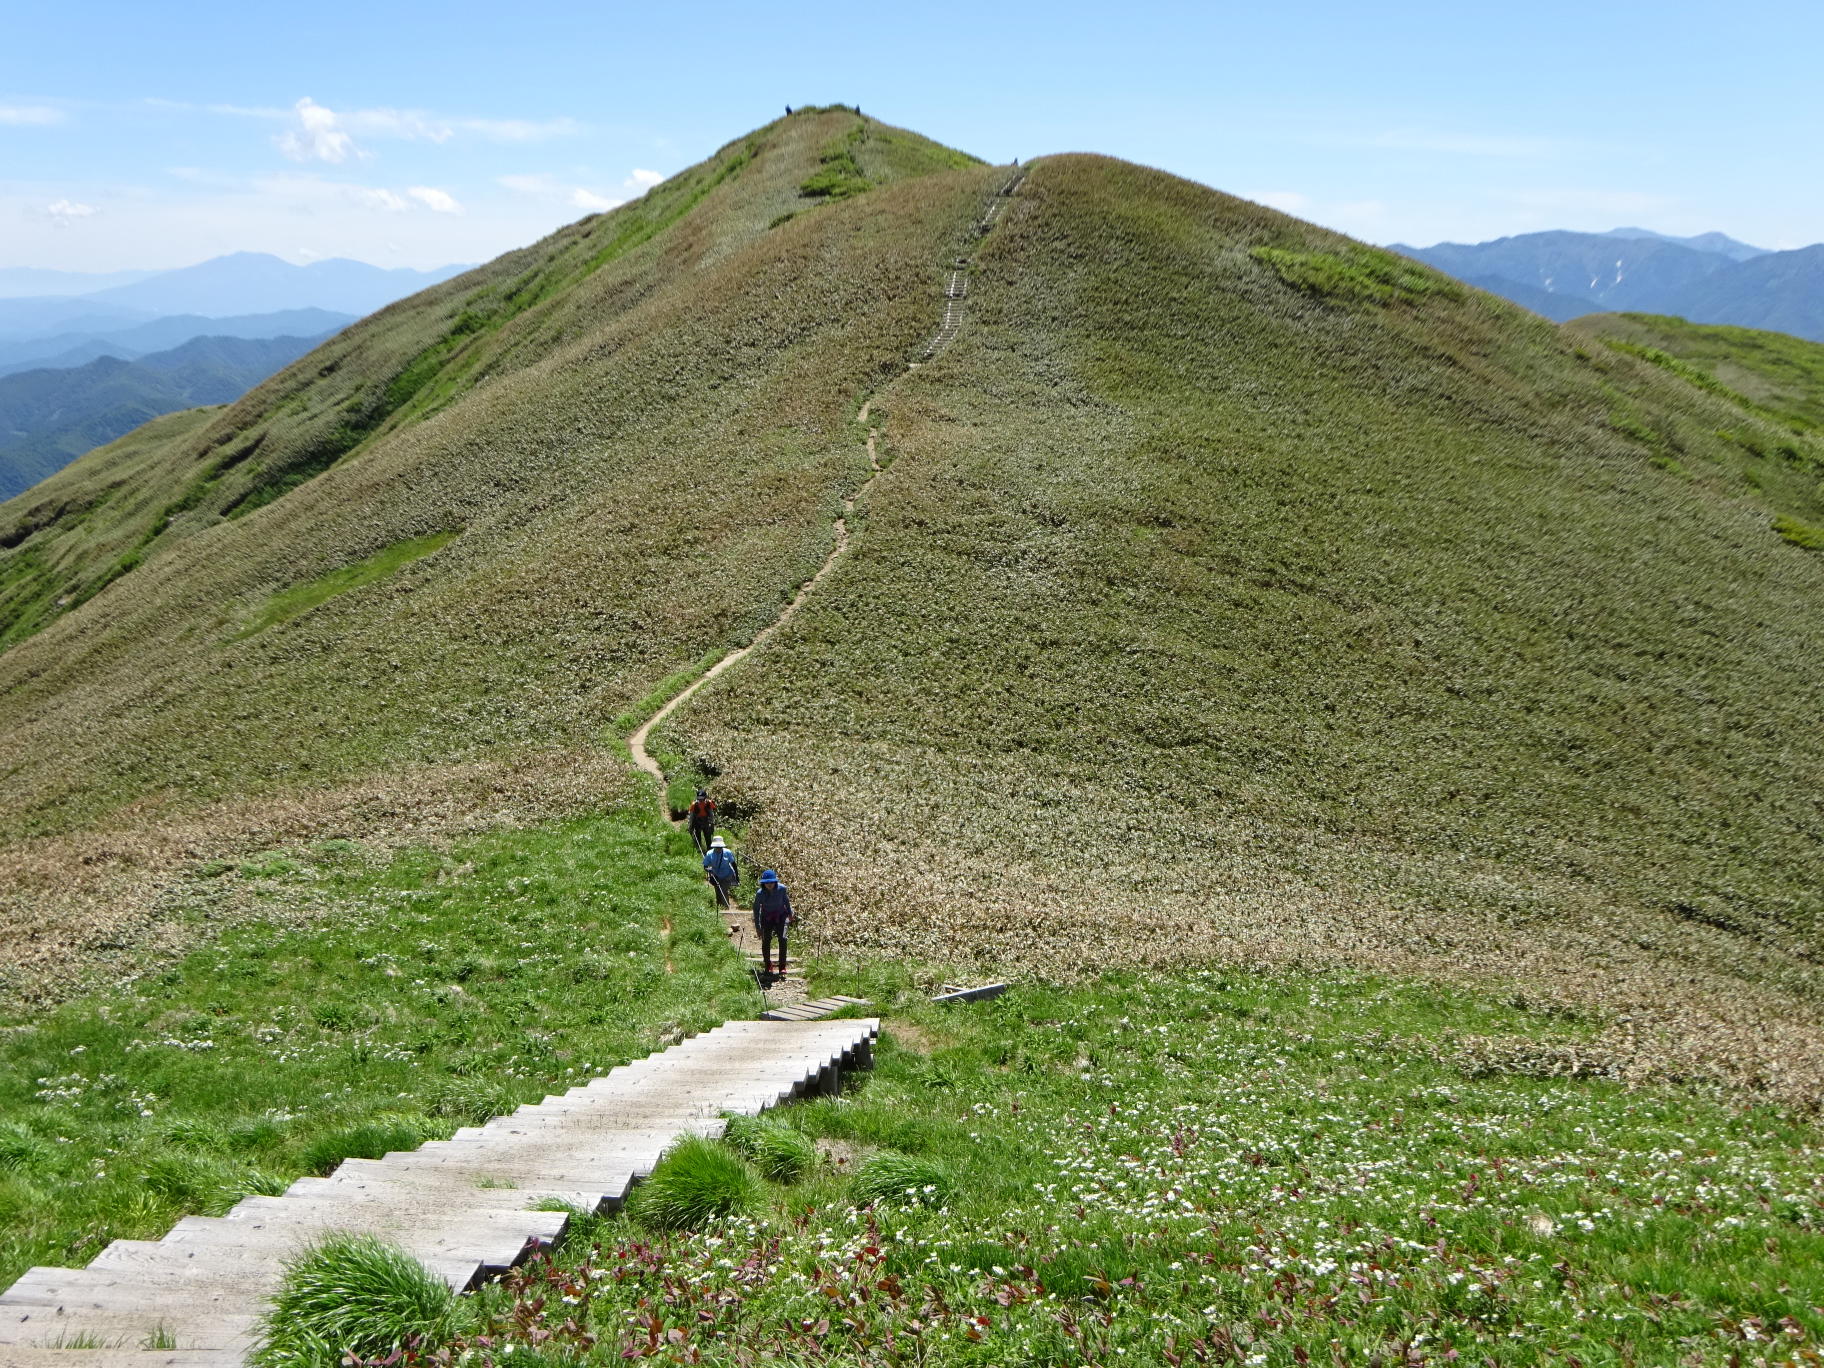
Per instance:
x=637, y=742
x=954, y=296
x=787, y=992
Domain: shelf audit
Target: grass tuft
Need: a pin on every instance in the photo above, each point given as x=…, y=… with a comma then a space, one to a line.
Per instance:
x=354, y=1296
x=369, y=1140
x=1800, y=533
x=1357, y=274
x=890, y=1178
x=698, y=1181
x=779, y=1152
x=301, y=598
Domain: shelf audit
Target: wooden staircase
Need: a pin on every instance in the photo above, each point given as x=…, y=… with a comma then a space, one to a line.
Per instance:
x=460, y=1205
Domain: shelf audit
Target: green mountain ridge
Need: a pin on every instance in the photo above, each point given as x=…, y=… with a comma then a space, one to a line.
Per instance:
x=48, y=416
x=1233, y=592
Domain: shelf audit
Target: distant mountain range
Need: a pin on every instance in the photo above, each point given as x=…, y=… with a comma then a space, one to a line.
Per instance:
x=86, y=358
x=225, y=286
x=1710, y=278
x=50, y=417
x=161, y=334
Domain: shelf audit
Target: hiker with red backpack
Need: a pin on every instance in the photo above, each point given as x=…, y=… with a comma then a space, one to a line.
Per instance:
x=702, y=820
x=772, y=916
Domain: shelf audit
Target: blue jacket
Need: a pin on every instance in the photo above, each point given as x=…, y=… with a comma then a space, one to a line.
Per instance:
x=720, y=865
x=772, y=905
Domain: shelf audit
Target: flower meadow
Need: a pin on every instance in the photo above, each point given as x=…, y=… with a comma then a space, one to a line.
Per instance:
x=1258, y=1170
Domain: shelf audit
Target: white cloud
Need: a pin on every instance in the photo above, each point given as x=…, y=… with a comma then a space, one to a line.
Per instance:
x=317, y=136
x=29, y=116
x=437, y=201
x=594, y=203
x=65, y=212
x=319, y=196
x=520, y=130
x=544, y=186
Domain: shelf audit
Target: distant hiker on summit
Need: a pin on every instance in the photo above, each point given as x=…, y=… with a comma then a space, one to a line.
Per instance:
x=772, y=915
x=723, y=873
x=702, y=820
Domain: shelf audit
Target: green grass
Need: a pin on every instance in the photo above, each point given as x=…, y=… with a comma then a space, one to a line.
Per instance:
x=367, y=1007
x=1271, y=1169
x=776, y=1151
x=1781, y=375
x=698, y=1181
x=1357, y=274
x=893, y=1179
x=355, y=1295
x=1800, y=533
x=1683, y=369
x=839, y=175
x=301, y=598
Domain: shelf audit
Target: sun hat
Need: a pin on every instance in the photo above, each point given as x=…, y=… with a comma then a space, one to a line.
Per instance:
x=767, y=876
x=717, y=844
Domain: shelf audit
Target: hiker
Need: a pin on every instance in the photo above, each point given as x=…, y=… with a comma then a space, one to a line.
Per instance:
x=702, y=821
x=723, y=873
x=772, y=915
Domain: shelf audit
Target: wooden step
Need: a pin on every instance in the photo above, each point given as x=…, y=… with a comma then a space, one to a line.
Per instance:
x=463, y=1206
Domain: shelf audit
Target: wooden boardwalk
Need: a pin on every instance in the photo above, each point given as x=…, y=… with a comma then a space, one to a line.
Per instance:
x=460, y=1205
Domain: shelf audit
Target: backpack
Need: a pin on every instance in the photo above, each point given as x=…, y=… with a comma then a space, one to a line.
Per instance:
x=703, y=807
x=721, y=864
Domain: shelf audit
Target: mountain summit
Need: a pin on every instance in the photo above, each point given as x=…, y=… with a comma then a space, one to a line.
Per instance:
x=1229, y=590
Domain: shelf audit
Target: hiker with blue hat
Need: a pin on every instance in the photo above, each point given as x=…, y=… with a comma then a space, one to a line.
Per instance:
x=723, y=873
x=772, y=915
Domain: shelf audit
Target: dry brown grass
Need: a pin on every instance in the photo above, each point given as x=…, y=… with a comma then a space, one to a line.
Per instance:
x=108, y=902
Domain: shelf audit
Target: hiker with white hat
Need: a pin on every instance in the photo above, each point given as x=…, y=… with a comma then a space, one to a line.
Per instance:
x=723, y=873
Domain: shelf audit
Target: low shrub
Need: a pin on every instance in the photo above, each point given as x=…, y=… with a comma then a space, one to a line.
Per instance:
x=369, y=1140
x=697, y=1182
x=780, y=1153
x=1800, y=533
x=354, y=1296
x=895, y=1179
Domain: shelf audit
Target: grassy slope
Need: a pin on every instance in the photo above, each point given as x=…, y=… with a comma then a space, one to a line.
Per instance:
x=649, y=467
x=1271, y=1170
x=1233, y=592
x=362, y=1002
x=1779, y=375
x=1202, y=615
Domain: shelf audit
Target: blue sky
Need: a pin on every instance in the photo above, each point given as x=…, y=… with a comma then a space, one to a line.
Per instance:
x=136, y=135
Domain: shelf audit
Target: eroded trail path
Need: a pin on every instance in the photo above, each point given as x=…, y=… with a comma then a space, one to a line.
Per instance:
x=788, y=990
x=954, y=296
x=637, y=742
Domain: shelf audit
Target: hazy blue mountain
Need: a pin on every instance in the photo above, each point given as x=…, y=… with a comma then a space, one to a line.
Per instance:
x=1720, y=243
x=50, y=417
x=22, y=282
x=79, y=348
x=1779, y=291
x=254, y=282
x=1557, y=307
x=24, y=318
x=1706, y=279
x=1609, y=273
